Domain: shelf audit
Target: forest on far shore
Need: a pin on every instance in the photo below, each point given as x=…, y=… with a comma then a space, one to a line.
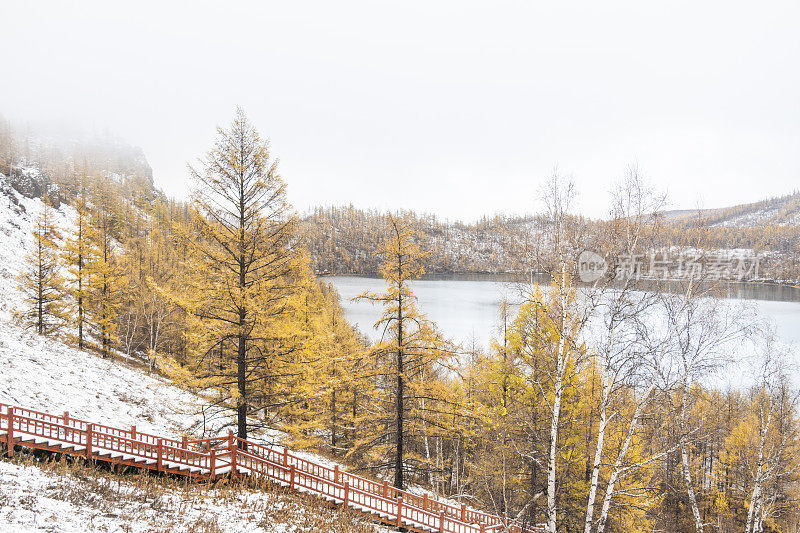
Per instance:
x=341, y=238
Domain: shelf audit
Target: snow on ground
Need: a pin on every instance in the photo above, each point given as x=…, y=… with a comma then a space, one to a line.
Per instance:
x=17, y=216
x=47, y=375
x=58, y=497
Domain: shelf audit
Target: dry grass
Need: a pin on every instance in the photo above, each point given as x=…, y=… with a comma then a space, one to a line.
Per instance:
x=141, y=501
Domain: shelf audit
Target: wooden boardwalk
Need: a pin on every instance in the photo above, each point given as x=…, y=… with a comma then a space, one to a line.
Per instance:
x=209, y=459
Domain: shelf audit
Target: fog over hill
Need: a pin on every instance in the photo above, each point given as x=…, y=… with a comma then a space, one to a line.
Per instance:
x=37, y=164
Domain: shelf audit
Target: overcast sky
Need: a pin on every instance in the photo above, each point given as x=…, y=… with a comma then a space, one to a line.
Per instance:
x=456, y=108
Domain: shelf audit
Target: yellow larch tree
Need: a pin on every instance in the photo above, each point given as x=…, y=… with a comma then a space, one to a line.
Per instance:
x=239, y=250
x=411, y=349
x=74, y=257
x=41, y=281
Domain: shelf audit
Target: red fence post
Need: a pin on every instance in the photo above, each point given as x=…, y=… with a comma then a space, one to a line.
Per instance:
x=66, y=418
x=285, y=457
x=10, y=433
x=184, y=455
x=336, y=474
x=463, y=512
x=291, y=477
x=346, y=493
x=441, y=522
x=385, y=489
x=133, y=432
x=425, y=502
x=213, y=460
x=399, y=511
x=158, y=456
x=483, y=528
x=232, y=452
x=88, y=441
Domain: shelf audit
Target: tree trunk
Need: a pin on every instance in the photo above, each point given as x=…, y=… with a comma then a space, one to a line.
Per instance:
x=561, y=364
x=333, y=395
x=551, y=464
x=241, y=377
x=752, y=509
x=398, y=462
x=241, y=357
x=333, y=419
x=598, y=456
x=616, y=469
x=687, y=478
x=80, y=283
x=755, y=498
x=40, y=288
x=685, y=466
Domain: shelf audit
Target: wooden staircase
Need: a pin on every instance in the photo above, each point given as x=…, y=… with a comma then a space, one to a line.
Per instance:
x=209, y=459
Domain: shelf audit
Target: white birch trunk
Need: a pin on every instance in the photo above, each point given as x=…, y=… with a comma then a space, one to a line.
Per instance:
x=617, y=468
x=752, y=508
x=561, y=365
x=551, y=465
x=598, y=456
x=685, y=466
x=755, y=498
x=687, y=478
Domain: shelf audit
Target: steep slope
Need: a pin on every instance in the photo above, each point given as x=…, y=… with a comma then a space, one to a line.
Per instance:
x=42, y=373
x=45, y=374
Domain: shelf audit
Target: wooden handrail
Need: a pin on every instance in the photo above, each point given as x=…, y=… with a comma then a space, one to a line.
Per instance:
x=209, y=458
x=462, y=512
x=397, y=507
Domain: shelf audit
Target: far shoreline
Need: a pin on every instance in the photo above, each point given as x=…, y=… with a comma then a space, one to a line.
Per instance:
x=765, y=290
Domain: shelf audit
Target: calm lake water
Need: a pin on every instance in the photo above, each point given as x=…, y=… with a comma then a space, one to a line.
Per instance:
x=467, y=309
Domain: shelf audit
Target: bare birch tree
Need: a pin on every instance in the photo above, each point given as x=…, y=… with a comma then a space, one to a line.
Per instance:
x=702, y=331
x=621, y=350
x=767, y=456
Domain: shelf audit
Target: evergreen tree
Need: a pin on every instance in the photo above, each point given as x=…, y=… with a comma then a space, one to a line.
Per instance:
x=411, y=346
x=240, y=251
x=333, y=377
x=41, y=281
x=74, y=257
x=103, y=273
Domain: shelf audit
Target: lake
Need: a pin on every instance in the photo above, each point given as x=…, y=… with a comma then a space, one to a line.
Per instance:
x=463, y=309
x=467, y=309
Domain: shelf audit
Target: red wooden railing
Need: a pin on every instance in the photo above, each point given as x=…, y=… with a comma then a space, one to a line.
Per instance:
x=220, y=456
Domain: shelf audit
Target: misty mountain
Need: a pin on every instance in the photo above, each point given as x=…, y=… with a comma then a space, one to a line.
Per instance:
x=36, y=164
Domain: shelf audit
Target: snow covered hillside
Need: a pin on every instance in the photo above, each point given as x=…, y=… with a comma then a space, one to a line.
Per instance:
x=780, y=211
x=45, y=374
x=17, y=215
x=75, y=498
x=48, y=375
